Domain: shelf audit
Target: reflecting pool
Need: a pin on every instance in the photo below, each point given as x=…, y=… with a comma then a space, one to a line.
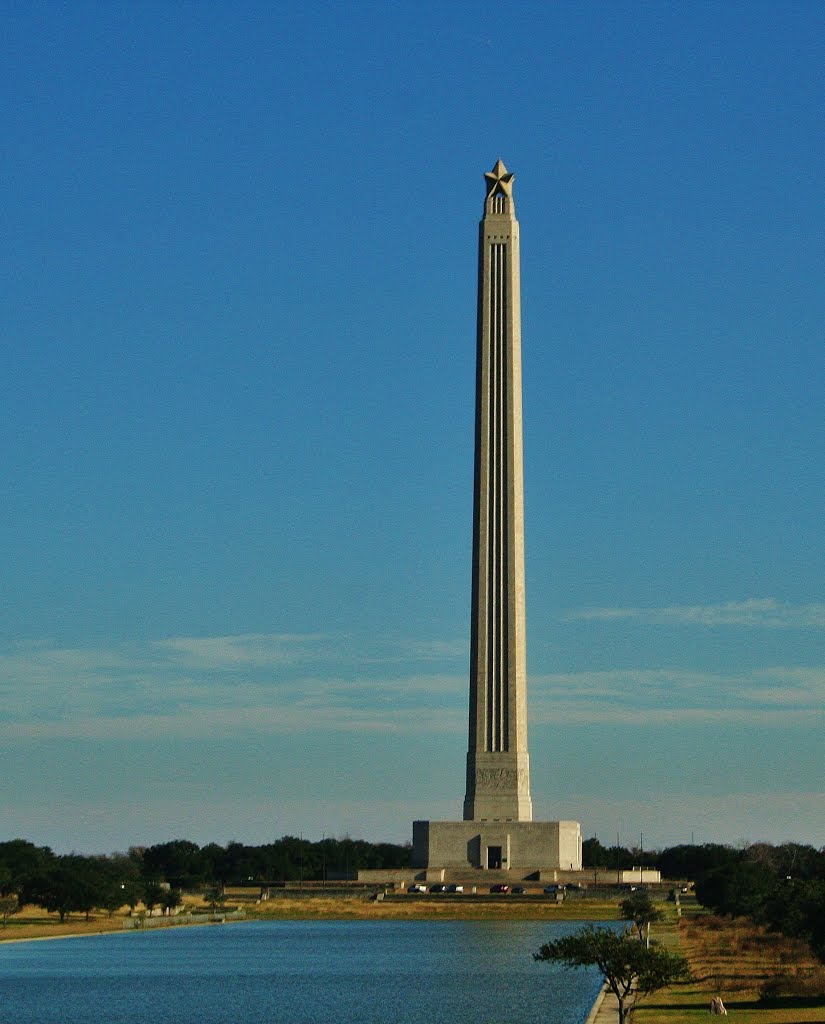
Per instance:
x=301, y=972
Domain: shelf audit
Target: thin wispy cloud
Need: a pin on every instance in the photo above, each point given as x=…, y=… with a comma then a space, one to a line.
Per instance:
x=269, y=650
x=245, y=650
x=206, y=686
x=764, y=613
x=281, y=683
x=776, y=696
x=221, y=722
x=427, y=650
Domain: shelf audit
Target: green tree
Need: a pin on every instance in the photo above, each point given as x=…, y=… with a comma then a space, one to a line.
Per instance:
x=170, y=899
x=71, y=883
x=8, y=905
x=679, y=862
x=178, y=862
x=214, y=896
x=220, y=863
x=797, y=909
x=594, y=855
x=152, y=895
x=639, y=910
x=738, y=890
x=112, y=899
x=630, y=970
x=21, y=860
x=795, y=860
x=123, y=883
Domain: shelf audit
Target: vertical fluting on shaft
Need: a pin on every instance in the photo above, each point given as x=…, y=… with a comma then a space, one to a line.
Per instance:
x=497, y=473
x=498, y=786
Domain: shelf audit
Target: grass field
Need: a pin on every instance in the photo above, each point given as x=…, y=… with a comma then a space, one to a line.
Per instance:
x=736, y=960
x=450, y=908
x=37, y=924
x=34, y=923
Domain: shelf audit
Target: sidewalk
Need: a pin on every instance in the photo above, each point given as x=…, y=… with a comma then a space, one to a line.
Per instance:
x=605, y=1009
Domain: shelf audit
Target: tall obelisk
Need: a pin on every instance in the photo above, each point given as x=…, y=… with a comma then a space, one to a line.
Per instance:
x=497, y=832
x=498, y=772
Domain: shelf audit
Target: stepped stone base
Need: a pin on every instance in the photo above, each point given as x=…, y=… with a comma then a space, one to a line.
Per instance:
x=528, y=847
x=469, y=877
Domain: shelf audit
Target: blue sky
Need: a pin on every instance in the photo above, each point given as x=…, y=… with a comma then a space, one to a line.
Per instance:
x=237, y=338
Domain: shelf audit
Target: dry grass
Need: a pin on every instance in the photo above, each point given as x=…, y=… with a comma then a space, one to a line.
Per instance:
x=739, y=960
x=34, y=923
x=37, y=924
x=450, y=908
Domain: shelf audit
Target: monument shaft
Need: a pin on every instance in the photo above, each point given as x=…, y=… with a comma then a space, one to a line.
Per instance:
x=498, y=774
x=498, y=832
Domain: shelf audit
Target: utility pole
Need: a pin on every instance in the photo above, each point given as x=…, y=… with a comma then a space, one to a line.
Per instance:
x=641, y=858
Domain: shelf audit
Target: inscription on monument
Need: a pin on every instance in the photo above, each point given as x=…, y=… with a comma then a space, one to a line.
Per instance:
x=503, y=780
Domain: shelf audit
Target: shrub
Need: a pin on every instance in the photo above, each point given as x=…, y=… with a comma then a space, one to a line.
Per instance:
x=799, y=983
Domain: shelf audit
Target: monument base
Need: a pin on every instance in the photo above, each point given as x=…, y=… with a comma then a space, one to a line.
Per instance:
x=497, y=845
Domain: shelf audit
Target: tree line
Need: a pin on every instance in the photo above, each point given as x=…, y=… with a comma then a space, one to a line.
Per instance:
x=691, y=860
x=782, y=887
x=156, y=875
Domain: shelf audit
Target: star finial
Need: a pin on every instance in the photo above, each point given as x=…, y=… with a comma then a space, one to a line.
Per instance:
x=499, y=180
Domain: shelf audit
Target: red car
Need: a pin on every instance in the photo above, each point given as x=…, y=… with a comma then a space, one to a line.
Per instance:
x=499, y=888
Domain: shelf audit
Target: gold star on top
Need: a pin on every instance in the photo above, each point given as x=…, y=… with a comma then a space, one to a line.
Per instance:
x=499, y=180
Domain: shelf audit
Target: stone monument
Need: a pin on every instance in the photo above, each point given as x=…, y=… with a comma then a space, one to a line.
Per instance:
x=498, y=831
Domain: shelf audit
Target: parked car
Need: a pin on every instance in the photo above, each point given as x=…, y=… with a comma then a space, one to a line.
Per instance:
x=416, y=888
x=518, y=890
x=455, y=888
x=551, y=890
x=500, y=888
x=438, y=888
